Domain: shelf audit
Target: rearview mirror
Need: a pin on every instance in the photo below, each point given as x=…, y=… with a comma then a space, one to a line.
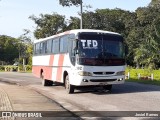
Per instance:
x=75, y=44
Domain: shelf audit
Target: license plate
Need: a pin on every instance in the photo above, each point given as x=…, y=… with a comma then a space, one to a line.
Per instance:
x=102, y=83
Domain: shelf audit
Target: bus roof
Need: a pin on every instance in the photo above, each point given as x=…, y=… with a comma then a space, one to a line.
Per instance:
x=75, y=31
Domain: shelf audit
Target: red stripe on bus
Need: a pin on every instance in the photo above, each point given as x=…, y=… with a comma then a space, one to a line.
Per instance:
x=49, y=69
x=59, y=69
x=51, y=60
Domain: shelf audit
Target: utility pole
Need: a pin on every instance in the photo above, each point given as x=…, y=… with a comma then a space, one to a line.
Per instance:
x=81, y=22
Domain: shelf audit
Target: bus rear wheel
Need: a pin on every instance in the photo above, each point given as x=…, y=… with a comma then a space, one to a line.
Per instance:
x=46, y=82
x=68, y=86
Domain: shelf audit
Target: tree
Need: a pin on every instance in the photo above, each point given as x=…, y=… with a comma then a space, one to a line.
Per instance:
x=147, y=51
x=48, y=25
x=76, y=3
x=155, y=3
x=8, y=49
x=70, y=2
x=25, y=47
x=73, y=23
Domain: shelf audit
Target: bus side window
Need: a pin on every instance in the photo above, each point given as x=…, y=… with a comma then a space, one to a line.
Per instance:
x=71, y=46
x=64, y=44
x=55, y=45
x=45, y=47
x=40, y=48
x=71, y=49
x=49, y=46
x=35, y=51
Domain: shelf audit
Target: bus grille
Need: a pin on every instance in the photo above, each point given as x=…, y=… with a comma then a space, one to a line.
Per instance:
x=103, y=73
x=102, y=80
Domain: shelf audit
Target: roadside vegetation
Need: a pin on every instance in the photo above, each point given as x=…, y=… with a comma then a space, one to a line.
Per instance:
x=12, y=68
x=146, y=76
x=16, y=53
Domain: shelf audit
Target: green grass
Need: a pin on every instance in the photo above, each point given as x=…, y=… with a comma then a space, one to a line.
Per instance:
x=143, y=73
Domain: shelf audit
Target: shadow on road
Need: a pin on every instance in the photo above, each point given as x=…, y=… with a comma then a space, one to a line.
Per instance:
x=128, y=87
x=131, y=87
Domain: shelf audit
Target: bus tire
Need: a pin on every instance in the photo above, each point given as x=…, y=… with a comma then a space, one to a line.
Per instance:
x=47, y=82
x=107, y=87
x=69, y=88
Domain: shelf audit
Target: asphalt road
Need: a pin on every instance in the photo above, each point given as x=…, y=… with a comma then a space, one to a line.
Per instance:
x=125, y=97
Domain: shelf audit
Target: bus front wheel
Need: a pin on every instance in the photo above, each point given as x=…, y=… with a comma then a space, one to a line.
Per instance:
x=68, y=86
x=107, y=87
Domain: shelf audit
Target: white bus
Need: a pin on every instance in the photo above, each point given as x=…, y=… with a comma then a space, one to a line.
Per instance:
x=81, y=57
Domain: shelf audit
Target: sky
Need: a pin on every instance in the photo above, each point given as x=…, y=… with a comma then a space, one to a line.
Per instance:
x=14, y=13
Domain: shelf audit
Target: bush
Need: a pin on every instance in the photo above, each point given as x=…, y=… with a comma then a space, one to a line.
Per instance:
x=28, y=68
x=2, y=68
x=156, y=74
x=11, y=68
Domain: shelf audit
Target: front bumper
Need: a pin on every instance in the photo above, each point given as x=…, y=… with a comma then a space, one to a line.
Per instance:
x=89, y=80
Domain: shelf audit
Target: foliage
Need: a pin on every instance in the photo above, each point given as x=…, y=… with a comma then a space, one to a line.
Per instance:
x=147, y=52
x=155, y=3
x=2, y=68
x=69, y=2
x=8, y=48
x=48, y=25
x=26, y=48
x=10, y=68
x=73, y=23
x=28, y=68
x=15, y=49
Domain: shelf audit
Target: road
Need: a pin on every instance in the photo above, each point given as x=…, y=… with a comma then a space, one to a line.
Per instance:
x=126, y=97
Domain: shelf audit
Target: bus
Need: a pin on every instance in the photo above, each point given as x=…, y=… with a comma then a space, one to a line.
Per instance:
x=80, y=57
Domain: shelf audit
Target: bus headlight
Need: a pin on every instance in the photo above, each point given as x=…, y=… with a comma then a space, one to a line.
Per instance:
x=84, y=73
x=120, y=73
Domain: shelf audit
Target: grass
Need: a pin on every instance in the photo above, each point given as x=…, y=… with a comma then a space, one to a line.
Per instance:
x=144, y=73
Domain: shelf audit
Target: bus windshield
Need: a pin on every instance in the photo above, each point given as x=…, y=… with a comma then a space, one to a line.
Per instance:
x=99, y=48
